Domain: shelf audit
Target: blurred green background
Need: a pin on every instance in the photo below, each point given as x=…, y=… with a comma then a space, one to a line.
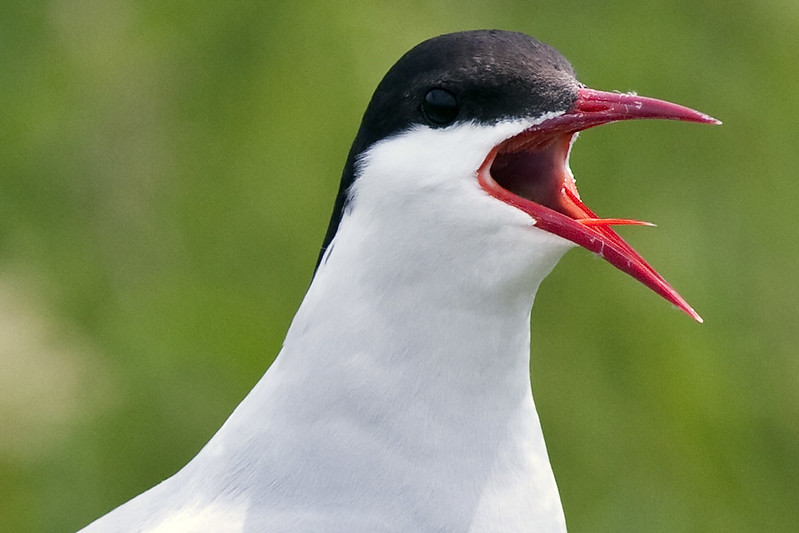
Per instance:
x=167, y=171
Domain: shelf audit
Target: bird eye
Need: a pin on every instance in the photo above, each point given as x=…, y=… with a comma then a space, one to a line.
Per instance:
x=439, y=107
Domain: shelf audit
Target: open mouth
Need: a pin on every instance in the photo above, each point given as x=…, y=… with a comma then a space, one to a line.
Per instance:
x=530, y=172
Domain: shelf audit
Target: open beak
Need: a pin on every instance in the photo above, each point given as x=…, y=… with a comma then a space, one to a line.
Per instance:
x=530, y=171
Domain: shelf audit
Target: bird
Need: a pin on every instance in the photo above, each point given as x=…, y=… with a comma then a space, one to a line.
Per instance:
x=401, y=398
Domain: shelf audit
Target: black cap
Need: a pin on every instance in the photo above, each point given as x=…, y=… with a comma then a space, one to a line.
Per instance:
x=479, y=76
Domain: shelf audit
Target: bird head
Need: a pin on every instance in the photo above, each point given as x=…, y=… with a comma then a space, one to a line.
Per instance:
x=470, y=133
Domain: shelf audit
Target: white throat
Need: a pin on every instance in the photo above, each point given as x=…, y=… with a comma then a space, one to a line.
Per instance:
x=411, y=349
x=403, y=385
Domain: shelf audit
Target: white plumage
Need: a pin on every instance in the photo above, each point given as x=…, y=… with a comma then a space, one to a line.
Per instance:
x=403, y=382
x=401, y=399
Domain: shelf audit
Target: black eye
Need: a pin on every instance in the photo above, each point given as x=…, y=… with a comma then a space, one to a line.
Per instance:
x=440, y=107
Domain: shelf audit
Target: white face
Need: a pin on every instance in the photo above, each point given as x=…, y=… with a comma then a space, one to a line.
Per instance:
x=416, y=199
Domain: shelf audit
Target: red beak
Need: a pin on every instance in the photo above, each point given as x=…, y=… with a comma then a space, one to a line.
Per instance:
x=530, y=172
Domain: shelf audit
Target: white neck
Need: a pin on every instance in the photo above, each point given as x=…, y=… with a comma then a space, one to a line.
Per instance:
x=403, y=386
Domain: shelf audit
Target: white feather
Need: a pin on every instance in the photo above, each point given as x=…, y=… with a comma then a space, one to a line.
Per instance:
x=401, y=398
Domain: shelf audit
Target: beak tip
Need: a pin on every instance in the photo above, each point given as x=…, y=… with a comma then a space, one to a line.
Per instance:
x=699, y=117
x=693, y=314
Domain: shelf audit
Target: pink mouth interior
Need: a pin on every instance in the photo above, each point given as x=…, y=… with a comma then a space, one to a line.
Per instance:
x=535, y=173
x=530, y=172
